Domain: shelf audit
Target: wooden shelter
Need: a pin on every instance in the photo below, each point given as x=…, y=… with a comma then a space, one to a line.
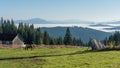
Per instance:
x=11, y=40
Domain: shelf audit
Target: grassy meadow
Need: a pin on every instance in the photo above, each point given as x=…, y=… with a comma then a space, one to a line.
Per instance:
x=58, y=58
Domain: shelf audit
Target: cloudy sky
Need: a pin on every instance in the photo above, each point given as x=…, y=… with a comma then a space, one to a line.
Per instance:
x=87, y=10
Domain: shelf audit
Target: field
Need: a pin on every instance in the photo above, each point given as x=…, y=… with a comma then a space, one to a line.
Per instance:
x=58, y=58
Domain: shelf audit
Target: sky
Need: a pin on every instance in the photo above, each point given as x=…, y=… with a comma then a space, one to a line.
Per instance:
x=86, y=10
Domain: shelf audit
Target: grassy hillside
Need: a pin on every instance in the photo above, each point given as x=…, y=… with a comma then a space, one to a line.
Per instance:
x=58, y=58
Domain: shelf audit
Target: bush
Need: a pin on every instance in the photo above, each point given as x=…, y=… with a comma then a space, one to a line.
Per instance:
x=112, y=44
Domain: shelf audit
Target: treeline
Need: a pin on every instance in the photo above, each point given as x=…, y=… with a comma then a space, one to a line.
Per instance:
x=31, y=35
x=113, y=40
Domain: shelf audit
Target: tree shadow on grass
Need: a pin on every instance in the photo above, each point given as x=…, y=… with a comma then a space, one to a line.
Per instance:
x=108, y=49
x=32, y=57
x=77, y=52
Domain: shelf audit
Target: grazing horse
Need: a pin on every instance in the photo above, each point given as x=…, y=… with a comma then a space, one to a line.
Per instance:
x=29, y=47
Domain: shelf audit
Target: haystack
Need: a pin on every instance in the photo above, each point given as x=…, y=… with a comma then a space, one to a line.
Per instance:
x=96, y=45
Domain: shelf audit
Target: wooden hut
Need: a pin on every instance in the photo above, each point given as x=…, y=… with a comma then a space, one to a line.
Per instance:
x=13, y=40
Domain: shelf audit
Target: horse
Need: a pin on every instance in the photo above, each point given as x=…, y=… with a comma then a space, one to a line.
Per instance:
x=29, y=47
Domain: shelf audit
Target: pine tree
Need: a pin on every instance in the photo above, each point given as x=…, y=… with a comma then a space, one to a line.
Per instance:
x=20, y=30
x=52, y=41
x=46, y=39
x=105, y=41
x=117, y=38
x=26, y=34
x=1, y=21
x=74, y=42
x=68, y=37
x=80, y=42
x=0, y=28
x=59, y=41
x=13, y=27
x=38, y=37
x=31, y=34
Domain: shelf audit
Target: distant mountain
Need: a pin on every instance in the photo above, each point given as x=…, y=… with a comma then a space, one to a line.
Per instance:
x=100, y=25
x=116, y=22
x=113, y=22
x=72, y=22
x=77, y=32
x=42, y=21
x=113, y=28
x=33, y=21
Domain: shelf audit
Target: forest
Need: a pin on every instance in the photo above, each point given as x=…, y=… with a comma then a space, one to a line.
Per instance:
x=31, y=35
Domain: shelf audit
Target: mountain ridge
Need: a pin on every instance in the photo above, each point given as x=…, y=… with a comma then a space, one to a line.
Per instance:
x=43, y=21
x=77, y=32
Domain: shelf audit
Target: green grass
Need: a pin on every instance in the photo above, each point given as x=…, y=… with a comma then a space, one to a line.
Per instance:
x=58, y=58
